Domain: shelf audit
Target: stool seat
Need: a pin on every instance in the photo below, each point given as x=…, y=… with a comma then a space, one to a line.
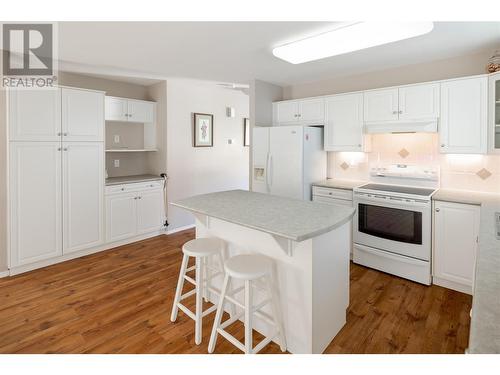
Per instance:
x=202, y=247
x=248, y=267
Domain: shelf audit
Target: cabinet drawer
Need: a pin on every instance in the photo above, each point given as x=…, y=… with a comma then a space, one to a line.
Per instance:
x=334, y=201
x=332, y=193
x=139, y=186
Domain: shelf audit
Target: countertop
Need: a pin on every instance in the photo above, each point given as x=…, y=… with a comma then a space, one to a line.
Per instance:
x=340, y=184
x=132, y=179
x=292, y=219
x=465, y=196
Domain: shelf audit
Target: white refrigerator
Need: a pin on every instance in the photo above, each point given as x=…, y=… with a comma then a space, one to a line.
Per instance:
x=286, y=160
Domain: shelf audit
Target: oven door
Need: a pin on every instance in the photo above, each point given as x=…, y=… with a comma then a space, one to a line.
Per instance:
x=393, y=225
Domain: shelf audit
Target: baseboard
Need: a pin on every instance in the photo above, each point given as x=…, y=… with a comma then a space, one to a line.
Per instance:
x=108, y=246
x=4, y=274
x=452, y=285
x=180, y=229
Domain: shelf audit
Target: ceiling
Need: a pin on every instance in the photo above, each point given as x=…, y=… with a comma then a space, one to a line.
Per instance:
x=241, y=51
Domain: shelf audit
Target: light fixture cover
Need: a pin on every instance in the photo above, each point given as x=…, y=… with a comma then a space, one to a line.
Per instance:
x=349, y=38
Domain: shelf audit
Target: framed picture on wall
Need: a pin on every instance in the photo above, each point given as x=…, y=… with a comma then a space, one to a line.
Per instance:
x=203, y=130
x=246, y=132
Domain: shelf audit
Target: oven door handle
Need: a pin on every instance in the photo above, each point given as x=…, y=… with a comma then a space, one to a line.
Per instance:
x=388, y=255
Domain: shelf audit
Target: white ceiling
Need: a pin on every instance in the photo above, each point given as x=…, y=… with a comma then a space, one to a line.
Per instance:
x=241, y=51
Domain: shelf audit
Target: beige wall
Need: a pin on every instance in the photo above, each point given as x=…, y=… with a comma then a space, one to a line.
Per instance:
x=436, y=70
x=3, y=180
x=112, y=88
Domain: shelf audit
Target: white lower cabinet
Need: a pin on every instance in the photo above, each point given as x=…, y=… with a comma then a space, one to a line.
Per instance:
x=456, y=231
x=35, y=202
x=133, y=210
x=83, y=195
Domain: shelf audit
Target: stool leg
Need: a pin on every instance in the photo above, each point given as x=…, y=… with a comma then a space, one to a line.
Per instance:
x=180, y=285
x=232, y=311
x=248, y=318
x=199, y=301
x=207, y=273
x=275, y=306
x=218, y=315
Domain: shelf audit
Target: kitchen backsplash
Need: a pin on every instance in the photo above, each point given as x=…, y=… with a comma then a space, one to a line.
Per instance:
x=466, y=172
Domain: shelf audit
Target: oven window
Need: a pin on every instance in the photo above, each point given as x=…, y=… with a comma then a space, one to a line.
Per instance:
x=390, y=223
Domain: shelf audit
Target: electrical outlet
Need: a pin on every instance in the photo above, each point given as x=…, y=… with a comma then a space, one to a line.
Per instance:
x=117, y=163
x=117, y=138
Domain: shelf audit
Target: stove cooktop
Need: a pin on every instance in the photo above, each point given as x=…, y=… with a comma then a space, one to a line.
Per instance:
x=398, y=189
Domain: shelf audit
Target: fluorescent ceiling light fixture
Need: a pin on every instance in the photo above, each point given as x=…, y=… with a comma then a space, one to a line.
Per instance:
x=349, y=38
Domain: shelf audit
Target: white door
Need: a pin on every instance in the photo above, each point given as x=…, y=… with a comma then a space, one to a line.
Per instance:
x=286, y=113
x=419, y=102
x=344, y=123
x=286, y=169
x=121, y=216
x=83, y=191
x=149, y=211
x=312, y=111
x=140, y=111
x=464, y=121
x=82, y=115
x=456, y=231
x=35, y=201
x=35, y=115
x=260, y=153
x=115, y=109
x=381, y=105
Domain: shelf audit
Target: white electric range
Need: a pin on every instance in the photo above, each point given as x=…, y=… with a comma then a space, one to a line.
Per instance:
x=392, y=225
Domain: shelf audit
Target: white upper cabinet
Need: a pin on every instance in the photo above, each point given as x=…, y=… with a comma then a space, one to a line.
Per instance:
x=115, y=109
x=83, y=195
x=419, y=102
x=464, y=120
x=494, y=110
x=82, y=115
x=130, y=110
x=344, y=123
x=312, y=111
x=381, y=105
x=299, y=112
x=405, y=103
x=35, y=115
x=35, y=202
x=456, y=230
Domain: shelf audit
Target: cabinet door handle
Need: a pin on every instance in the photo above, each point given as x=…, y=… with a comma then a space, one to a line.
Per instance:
x=65, y=134
x=400, y=112
x=59, y=149
x=65, y=149
x=437, y=210
x=394, y=112
x=443, y=145
x=59, y=134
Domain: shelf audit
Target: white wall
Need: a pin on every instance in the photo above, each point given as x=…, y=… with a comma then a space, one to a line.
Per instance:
x=202, y=170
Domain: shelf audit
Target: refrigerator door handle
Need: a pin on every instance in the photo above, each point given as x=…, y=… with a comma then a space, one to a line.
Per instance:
x=267, y=172
x=271, y=171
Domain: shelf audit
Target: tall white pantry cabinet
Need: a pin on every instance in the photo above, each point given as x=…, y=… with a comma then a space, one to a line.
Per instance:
x=56, y=173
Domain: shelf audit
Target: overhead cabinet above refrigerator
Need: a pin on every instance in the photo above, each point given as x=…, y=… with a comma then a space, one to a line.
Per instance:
x=287, y=160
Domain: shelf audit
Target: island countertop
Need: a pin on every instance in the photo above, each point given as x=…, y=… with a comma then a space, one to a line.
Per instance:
x=292, y=219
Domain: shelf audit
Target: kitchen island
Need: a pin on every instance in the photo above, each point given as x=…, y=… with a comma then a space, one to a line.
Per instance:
x=309, y=243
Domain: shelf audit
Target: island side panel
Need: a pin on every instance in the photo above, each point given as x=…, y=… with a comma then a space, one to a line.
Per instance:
x=330, y=284
x=293, y=274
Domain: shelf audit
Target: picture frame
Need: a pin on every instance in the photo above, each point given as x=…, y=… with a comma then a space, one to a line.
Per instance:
x=203, y=130
x=246, y=132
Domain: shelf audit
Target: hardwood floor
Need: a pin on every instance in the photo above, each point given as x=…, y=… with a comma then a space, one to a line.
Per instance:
x=119, y=301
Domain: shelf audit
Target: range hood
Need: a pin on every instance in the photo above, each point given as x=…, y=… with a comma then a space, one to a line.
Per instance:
x=416, y=126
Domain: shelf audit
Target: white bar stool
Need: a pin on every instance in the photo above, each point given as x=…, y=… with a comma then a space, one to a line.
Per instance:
x=249, y=268
x=201, y=249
